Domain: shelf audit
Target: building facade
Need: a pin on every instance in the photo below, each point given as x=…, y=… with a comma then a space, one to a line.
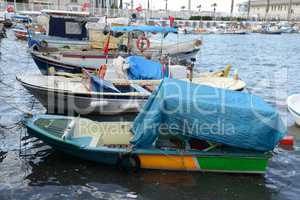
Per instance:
x=107, y=3
x=75, y=5
x=276, y=10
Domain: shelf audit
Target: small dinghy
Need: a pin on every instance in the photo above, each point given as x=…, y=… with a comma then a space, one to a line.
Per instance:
x=293, y=103
x=21, y=32
x=163, y=137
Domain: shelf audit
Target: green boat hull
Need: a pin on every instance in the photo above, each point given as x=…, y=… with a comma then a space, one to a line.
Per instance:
x=227, y=160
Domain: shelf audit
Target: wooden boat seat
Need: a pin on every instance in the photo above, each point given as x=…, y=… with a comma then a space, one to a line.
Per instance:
x=111, y=134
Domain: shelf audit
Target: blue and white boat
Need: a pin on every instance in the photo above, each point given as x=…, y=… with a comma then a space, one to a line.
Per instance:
x=72, y=61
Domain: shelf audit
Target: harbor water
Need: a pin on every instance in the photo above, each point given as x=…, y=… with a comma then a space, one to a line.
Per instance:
x=29, y=169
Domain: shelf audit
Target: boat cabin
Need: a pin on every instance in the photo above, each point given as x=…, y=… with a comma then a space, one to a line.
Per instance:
x=66, y=24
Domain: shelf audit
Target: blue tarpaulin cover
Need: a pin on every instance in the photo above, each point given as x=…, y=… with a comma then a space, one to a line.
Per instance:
x=141, y=68
x=222, y=116
x=144, y=28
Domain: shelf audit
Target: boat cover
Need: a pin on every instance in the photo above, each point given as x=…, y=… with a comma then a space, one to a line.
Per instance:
x=221, y=116
x=141, y=68
x=144, y=28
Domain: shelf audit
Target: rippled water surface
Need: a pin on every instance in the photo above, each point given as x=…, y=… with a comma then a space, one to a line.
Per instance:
x=29, y=169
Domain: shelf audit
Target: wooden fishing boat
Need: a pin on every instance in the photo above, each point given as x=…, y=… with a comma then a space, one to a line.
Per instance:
x=293, y=104
x=109, y=143
x=73, y=60
x=169, y=132
x=70, y=94
x=75, y=95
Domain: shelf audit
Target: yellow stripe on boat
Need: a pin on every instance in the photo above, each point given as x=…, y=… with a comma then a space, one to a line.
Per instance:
x=168, y=162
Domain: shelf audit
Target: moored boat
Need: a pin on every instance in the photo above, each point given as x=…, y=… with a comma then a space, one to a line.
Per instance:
x=59, y=33
x=234, y=32
x=73, y=60
x=74, y=137
x=68, y=93
x=293, y=104
x=21, y=32
x=76, y=95
x=156, y=142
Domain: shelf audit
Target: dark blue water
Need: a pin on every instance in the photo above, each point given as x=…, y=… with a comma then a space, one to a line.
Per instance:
x=30, y=169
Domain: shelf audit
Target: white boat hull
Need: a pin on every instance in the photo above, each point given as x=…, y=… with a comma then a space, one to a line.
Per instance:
x=293, y=103
x=69, y=103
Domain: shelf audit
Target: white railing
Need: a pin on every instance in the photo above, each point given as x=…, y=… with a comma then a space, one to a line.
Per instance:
x=184, y=14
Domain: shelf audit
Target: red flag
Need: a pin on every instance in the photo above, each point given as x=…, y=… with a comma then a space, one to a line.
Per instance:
x=172, y=19
x=139, y=8
x=106, y=46
x=10, y=9
x=85, y=6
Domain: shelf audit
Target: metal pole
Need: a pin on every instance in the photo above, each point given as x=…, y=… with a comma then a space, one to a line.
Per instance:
x=189, y=5
x=214, y=5
x=107, y=7
x=166, y=8
x=249, y=7
x=231, y=9
x=15, y=5
x=148, y=10
x=289, y=10
x=267, y=9
x=90, y=6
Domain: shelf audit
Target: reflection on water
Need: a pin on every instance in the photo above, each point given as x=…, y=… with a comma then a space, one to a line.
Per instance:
x=269, y=65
